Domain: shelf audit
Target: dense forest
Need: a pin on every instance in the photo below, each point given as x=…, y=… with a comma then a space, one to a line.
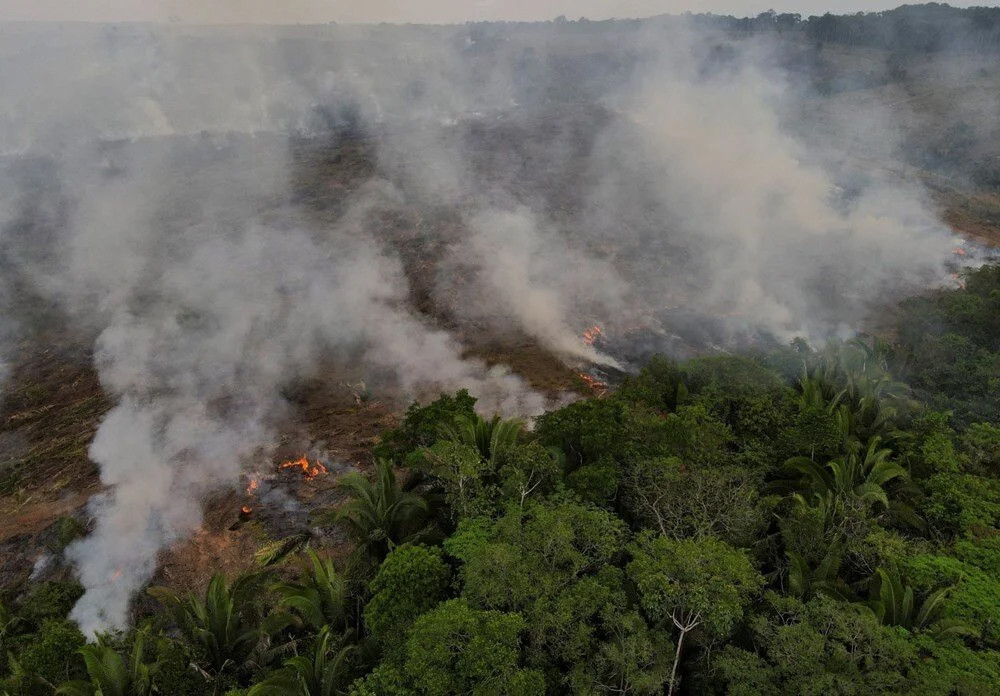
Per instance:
x=907, y=29
x=911, y=29
x=798, y=521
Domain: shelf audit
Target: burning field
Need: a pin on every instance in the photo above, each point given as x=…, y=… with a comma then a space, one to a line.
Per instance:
x=223, y=283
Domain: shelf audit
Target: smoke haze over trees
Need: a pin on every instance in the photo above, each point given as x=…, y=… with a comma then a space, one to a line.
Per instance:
x=174, y=196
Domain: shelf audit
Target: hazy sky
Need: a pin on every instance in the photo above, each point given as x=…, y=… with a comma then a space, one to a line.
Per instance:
x=309, y=11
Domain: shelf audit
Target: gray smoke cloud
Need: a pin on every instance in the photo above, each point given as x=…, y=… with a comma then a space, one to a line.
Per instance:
x=204, y=323
x=535, y=280
x=548, y=181
x=743, y=215
x=710, y=182
x=207, y=290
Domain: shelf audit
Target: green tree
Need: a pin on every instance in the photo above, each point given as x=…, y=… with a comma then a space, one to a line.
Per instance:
x=862, y=474
x=530, y=553
x=893, y=602
x=972, y=599
x=320, y=596
x=410, y=581
x=687, y=502
x=456, y=650
x=326, y=672
x=111, y=675
x=805, y=582
x=874, y=400
x=748, y=399
x=379, y=515
x=594, y=431
x=659, y=385
x=464, y=476
x=700, y=585
x=823, y=646
x=950, y=667
x=174, y=673
x=981, y=444
x=631, y=658
x=812, y=430
x=961, y=504
x=48, y=600
x=421, y=427
x=10, y=622
x=489, y=438
x=46, y=657
x=529, y=472
x=811, y=527
x=385, y=680
x=590, y=637
x=552, y=563
x=228, y=625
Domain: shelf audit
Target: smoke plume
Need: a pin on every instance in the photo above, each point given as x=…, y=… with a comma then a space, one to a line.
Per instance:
x=548, y=181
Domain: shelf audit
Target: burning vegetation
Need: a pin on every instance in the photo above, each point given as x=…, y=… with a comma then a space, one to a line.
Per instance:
x=595, y=385
x=310, y=470
x=591, y=335
x=689, y=466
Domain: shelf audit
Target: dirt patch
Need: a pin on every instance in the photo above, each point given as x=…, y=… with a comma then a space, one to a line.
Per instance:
x=226, y=542
x=974, y=214
x=973, y=226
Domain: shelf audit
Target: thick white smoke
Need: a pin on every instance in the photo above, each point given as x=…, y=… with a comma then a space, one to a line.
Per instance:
x=538, y=281
x=561, y=196
x=732, y=213
x=708, y=186
x=204, y=326
x=208, y=290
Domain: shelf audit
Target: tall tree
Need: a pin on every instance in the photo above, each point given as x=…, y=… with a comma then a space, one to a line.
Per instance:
x=702, y=585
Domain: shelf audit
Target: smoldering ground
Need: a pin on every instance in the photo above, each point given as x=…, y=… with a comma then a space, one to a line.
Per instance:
x=569, y=180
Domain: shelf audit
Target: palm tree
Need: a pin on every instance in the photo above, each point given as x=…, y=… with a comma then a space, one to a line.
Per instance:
x=320, y=598
x=273, y=553
x=227, y=624
x=876, y=398
x=488, y=437
x=817, y=393
x=327, y=672
x=860, y=474
x=380, y=515
x=853, y=380
x=110, y=675
x=805, y=582
x=892, y=600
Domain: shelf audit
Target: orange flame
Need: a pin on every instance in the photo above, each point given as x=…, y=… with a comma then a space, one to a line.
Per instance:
x=116, y=575
x=592, y=334
x=958, y=251
x=310, y=471
x=252, y=485
x=595, y=385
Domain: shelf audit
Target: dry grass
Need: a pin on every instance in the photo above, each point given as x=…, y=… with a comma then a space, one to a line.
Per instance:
x=52, y=407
